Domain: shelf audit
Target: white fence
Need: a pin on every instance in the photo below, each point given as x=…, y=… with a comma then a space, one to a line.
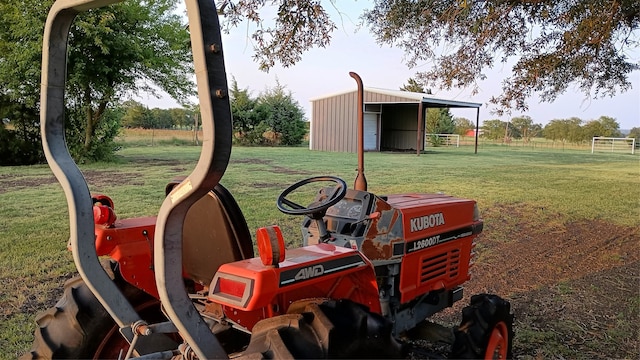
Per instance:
x=611, y=144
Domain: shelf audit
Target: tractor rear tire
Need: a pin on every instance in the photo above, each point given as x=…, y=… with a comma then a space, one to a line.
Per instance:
x=486, y=330
x=78, y=326
x=336, y=329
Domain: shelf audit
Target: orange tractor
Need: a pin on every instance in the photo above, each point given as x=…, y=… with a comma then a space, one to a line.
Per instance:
x=186, y=284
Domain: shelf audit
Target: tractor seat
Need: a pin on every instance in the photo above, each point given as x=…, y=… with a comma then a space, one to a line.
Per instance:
x=214, y=233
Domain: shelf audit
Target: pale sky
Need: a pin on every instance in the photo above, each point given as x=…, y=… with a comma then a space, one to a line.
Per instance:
x=326, y=71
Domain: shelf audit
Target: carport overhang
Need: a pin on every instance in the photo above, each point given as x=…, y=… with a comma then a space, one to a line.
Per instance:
x=428, y=102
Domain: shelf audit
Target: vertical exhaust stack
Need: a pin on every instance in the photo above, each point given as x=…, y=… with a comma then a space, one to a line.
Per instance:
x=361, y=180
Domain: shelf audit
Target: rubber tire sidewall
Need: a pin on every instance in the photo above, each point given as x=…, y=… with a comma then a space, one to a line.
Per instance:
x=76, y=326
x=478, y=321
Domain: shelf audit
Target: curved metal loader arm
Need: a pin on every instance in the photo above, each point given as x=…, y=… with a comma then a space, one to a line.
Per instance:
x=208, y=59
x=54, y=68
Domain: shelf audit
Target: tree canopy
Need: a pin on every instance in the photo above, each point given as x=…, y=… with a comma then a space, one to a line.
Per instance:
x=437, y=120
x=274, y=111
x=549, y=45
x=573, y=130
x=114, y=52
x=635, y=133
x=524, y=128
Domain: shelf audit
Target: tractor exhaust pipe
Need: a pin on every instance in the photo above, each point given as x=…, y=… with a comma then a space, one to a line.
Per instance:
x=361, y=180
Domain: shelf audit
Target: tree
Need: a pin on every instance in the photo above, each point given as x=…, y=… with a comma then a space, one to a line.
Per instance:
x=20, y=145
x=414, y=86
x=245, y=117
x=552, y=44
x=136, y=115
x=524, y=128
x=282, y=113
x=161, y=119
x=635, y=133
x=494, y=129
x=610, y=126
x=463, y=125
x=604, y=126
x=440, y=121
x=565, y=130
x=180, y=117
x=105, y=132
x=299, y=26
x=114, y=51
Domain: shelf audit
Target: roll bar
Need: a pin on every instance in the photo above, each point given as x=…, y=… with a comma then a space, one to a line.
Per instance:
x=216, y=149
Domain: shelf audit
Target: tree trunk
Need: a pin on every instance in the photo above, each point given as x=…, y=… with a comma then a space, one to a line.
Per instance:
x=92, y=119
x=89, y=127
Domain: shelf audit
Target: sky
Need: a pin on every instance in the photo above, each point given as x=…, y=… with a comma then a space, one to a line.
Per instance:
x=325, y=71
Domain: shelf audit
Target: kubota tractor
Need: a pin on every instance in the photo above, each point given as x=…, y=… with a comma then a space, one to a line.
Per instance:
x=186, y=284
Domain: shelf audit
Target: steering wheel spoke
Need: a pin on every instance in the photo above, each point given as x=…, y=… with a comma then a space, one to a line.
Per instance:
x=292, y=205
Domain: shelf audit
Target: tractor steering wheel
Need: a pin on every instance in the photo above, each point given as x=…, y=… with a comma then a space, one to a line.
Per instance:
x=317, y=209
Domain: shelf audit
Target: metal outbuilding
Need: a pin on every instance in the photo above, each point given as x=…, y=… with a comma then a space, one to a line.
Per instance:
x=391, y=120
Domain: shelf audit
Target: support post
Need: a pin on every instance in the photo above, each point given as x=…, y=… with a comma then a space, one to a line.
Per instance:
x=420, y=133
x=477, y=128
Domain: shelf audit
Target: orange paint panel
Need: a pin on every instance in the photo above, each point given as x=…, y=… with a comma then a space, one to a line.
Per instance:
x=316, y=271
x=130, y=243
x=442, y=216
x=443, y=266
x=124, y=232
x=136, y=265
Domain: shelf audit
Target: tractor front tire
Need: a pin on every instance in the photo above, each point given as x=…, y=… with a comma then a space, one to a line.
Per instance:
x=486, y=330
x=78, y=326
x=336, y=329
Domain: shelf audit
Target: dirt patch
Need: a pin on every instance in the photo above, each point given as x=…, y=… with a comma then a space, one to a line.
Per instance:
x=18, y=182
x=284, y=170
x=574, y=287
x=101, y=179
x=252, y=161
x=157, y=162
x=95, y=178
x=542, y=252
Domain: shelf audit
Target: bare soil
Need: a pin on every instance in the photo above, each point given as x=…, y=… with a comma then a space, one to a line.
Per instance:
x=574, y=287
x=98, y=178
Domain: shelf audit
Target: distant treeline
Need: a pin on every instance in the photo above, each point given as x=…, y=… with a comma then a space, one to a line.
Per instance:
x=573, y=130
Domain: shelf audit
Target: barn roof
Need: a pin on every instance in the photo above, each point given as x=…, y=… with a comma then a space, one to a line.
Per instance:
x=410, y=97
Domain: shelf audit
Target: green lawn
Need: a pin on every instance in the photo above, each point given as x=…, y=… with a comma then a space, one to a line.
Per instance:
x=34, y=225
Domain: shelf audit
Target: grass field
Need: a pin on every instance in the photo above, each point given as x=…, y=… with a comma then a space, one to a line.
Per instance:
x=573, y=185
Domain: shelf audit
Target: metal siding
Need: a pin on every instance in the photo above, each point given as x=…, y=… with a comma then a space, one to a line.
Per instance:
x=340, y=124
x=327, y=127
x=351, y=117
x=322, y=106
x=315, y=122
x=322, y=124
x=350, y=107
x=318, y=126
x=320, y=120
x=334, y=122
x=326, y=133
